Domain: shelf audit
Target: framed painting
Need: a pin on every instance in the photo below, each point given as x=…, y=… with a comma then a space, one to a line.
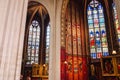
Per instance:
x=108, y=66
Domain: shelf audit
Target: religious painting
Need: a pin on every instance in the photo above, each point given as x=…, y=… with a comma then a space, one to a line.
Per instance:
x=107, y=64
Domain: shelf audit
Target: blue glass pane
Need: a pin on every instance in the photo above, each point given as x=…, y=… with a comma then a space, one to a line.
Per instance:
x=90, y=21
x=105, y=53
x=91, y=32
x=97, y=32
x=93, y=55
x=89, y=8
x=99, y=6
x=98, y=42
x=101, y=20
x=103, y=32
x=118, y=38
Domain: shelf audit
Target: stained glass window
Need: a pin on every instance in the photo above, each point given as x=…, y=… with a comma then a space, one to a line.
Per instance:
x=97, y=31
x=116, y=22
x=47, y=43
x=33, y=43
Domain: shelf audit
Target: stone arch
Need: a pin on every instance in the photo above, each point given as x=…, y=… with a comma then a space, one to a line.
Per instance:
x=35, y=10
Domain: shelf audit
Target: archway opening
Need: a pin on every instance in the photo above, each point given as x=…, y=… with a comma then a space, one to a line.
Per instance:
x=35, y=60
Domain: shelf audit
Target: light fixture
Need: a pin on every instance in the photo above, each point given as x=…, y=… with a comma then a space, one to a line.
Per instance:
x=114, y=52
x=65, y=62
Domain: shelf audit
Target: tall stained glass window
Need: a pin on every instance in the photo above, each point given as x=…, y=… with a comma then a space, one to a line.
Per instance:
x=97, y=31
x=115, y=15
x=33, y=43
x=47, y=43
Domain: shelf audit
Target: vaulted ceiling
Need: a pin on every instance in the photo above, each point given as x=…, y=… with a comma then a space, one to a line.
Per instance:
x=36, y=11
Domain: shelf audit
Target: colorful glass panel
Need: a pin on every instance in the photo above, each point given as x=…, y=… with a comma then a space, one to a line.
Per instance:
x=33, y=42
x=98, y=43
x=97, y=30
x=116, y=22
x=47, y=43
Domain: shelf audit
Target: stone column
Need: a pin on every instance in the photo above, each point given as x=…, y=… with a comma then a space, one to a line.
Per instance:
x=12, y=18
x=54, y=55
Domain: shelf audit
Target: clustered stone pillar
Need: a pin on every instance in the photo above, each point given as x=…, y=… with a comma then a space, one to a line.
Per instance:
x=12, y=20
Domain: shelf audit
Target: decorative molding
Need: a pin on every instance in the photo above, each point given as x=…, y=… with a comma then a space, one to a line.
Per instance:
x=63, y=10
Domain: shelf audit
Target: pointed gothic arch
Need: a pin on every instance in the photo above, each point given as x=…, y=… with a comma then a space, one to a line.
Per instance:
x=36, y=41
